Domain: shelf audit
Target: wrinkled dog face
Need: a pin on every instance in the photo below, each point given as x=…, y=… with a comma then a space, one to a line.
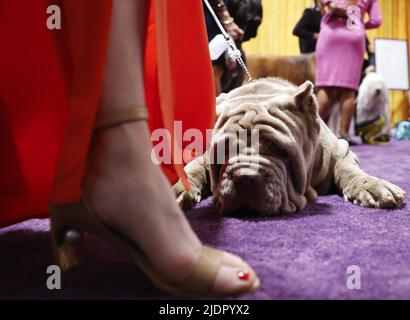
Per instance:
x=273, y=128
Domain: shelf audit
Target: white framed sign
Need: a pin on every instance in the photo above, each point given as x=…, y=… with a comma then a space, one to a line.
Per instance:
x=392, y=62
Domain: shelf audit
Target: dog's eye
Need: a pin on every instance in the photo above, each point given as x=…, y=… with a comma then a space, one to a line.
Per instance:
x=225, y=147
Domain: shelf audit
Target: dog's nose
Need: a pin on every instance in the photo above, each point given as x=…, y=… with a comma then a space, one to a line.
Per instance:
x=246, y=179
x=250, y=191
x=378, y=91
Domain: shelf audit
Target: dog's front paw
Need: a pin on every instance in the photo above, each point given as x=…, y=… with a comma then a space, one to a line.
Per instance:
x=186, y=200
x=372, y=192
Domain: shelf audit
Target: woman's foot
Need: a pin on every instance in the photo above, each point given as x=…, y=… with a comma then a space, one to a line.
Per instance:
x=130, y=193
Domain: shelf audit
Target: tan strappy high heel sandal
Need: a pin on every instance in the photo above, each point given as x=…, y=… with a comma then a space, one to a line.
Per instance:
x=70, y=221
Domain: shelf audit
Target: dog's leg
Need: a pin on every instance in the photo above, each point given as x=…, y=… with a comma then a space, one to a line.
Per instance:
x=365, y=190
x=198, y=176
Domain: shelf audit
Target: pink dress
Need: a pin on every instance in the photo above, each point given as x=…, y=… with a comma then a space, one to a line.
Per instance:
x=341, y=47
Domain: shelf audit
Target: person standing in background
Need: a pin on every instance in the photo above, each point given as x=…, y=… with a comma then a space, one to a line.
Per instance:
x=248, y=16
x=221, y=10
x=339, y=55
x=308, y=27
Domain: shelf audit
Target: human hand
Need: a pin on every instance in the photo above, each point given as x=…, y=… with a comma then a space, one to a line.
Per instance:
x=234, y=31
x=337, y=10
x=316, y=36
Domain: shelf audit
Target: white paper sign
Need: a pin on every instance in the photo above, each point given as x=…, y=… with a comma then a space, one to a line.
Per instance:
x=392, y=62
x=217, y=47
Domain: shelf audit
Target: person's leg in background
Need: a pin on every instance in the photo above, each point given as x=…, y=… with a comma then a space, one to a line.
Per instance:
x=126, y=189
x=347, y=107
x=325, y=99
x=218, y=73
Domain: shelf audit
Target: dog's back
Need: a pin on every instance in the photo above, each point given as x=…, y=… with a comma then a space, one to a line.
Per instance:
x=296, y=69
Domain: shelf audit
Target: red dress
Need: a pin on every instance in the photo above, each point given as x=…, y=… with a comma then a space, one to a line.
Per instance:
x=48, y=97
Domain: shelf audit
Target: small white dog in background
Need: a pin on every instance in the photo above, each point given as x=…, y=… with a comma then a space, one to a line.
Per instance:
x=372, y=102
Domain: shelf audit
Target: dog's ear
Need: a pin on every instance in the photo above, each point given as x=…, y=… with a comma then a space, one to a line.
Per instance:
x=305, y=98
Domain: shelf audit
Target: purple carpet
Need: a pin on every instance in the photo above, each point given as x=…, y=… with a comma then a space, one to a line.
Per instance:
x=304, y=256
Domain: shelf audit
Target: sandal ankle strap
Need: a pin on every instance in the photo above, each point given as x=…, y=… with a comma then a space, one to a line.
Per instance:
x=110, y=119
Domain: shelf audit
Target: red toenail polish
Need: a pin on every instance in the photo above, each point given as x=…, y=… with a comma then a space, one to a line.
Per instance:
x=243, y=275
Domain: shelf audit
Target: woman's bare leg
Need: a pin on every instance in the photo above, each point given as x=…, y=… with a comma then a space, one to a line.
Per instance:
x=324, y=97
x=124, y=186
x=347, y=106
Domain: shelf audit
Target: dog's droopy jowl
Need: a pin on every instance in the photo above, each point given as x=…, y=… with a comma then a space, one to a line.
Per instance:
x=297, y=157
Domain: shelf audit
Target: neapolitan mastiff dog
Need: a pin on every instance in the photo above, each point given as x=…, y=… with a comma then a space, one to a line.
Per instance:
x=295, y=158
